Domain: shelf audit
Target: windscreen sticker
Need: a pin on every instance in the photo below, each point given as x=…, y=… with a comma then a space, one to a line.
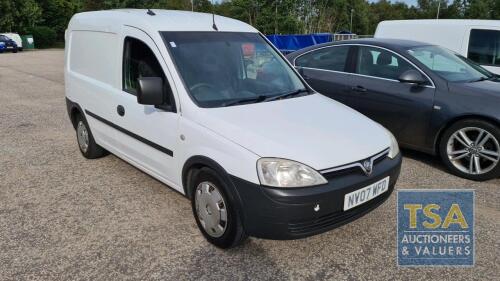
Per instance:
x=172, y=43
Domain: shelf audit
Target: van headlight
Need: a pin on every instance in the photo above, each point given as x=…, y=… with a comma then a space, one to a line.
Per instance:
x=394, y=148
x=278, y=172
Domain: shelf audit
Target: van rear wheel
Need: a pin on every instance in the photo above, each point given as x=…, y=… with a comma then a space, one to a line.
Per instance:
x=215, y=210
x=88, y=147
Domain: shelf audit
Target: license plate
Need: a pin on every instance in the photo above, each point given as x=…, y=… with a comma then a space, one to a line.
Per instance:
x=365, y=194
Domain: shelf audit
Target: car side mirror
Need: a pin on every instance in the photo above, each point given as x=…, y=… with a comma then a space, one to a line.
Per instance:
x=413, y=77
x=150, y=91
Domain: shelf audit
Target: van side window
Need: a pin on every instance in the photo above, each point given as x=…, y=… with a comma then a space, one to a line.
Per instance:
x=139, y=61
x=331, y=58
x=484, y=46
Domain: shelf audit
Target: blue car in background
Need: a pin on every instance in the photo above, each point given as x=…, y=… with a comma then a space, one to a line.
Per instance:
x=7, y=44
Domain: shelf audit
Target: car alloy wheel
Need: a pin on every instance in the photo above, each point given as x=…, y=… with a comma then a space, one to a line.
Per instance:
x=473, y=150
x=211, y=209
x=82, y=136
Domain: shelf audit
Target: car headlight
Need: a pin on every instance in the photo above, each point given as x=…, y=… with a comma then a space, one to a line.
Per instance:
x=287, y=173
x=394, y=148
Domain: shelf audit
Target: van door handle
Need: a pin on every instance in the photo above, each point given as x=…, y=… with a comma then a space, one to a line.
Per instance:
x=120, y=110
x=359, y=89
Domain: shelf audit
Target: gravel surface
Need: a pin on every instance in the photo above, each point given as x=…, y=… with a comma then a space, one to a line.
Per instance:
x=63, y=217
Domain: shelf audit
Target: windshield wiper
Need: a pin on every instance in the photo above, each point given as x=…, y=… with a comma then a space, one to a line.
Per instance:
x=288, y=94
x=484, y=78
x=262, y=98
x=246, y=100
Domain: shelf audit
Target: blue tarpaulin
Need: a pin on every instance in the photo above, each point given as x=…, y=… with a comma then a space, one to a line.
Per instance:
x=290, y=43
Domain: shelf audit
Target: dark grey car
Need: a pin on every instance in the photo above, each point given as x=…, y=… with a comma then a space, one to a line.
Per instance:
x=432, y=99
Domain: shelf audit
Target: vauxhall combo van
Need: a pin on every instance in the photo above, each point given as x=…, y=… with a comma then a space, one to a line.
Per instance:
x=206, y=105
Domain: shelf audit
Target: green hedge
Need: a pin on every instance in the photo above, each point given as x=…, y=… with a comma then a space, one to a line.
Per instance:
x=44, y=36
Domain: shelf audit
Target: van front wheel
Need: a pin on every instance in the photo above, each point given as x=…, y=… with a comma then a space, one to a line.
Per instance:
x=88, y=147
x=215, y=211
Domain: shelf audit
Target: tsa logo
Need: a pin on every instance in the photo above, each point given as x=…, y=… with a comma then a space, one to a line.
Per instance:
x=435, y=227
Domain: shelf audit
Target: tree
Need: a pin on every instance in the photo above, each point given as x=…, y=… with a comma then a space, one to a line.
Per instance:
x=268, y=16
x=7, y=12
x=57, y=13
x=19, y=15
x=480, y=9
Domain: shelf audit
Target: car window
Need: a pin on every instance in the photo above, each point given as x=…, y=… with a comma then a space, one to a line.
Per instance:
x=225, y=68
x=380, y=63
x=138, y=61
x=447, y=64
x=330, y=58
x=484, y=46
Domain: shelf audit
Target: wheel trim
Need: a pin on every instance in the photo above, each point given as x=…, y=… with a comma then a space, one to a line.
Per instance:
x=82, y=136
x=211, y=209
x=473, y=150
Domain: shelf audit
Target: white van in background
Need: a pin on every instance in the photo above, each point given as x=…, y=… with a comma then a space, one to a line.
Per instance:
x=478, y=40
x=16, y=38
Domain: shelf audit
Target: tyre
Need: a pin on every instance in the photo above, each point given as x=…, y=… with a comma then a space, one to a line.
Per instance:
x=215, y=210
x=88, y=147
x=14, y=50
x=471, y=149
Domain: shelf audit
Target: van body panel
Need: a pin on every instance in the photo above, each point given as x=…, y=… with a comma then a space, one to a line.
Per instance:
x=263, y=128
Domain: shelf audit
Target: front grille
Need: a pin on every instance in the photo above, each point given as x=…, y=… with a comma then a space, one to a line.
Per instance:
x=334, y=219
x=355, y=167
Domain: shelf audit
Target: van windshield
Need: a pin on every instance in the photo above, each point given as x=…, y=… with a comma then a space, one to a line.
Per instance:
x=448, y=65
x=231, y=68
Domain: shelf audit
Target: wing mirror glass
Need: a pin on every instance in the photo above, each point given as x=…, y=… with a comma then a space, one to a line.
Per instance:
x=150, y=91
x=413, y=77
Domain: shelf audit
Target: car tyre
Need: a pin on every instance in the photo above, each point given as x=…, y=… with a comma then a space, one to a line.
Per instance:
x=215, y=210
x=86, y=143
x=14, y=50
x=471, y=149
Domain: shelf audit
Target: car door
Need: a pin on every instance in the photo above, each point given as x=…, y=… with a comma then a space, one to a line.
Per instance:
x=325, y=68
x=145, y=134
x=405, y=109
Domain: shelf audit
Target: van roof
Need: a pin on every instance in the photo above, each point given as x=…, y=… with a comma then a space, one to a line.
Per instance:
x=163, y=20
x=450, y=22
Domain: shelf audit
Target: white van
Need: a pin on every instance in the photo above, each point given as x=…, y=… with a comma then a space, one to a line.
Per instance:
x=478, y=40
x=207, y=106
x=16, y=38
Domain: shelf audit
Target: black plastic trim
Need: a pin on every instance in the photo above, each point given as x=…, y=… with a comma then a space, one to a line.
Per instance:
x=283, y=214
x=130, y=134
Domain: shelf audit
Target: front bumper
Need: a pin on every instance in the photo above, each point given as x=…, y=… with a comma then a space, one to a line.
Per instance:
x=276, y=213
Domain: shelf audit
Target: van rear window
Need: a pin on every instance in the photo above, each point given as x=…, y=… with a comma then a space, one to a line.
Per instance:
x=484, y=47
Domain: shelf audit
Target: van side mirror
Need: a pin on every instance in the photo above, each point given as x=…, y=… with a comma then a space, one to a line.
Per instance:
x=150, y=91
x=413, y=77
